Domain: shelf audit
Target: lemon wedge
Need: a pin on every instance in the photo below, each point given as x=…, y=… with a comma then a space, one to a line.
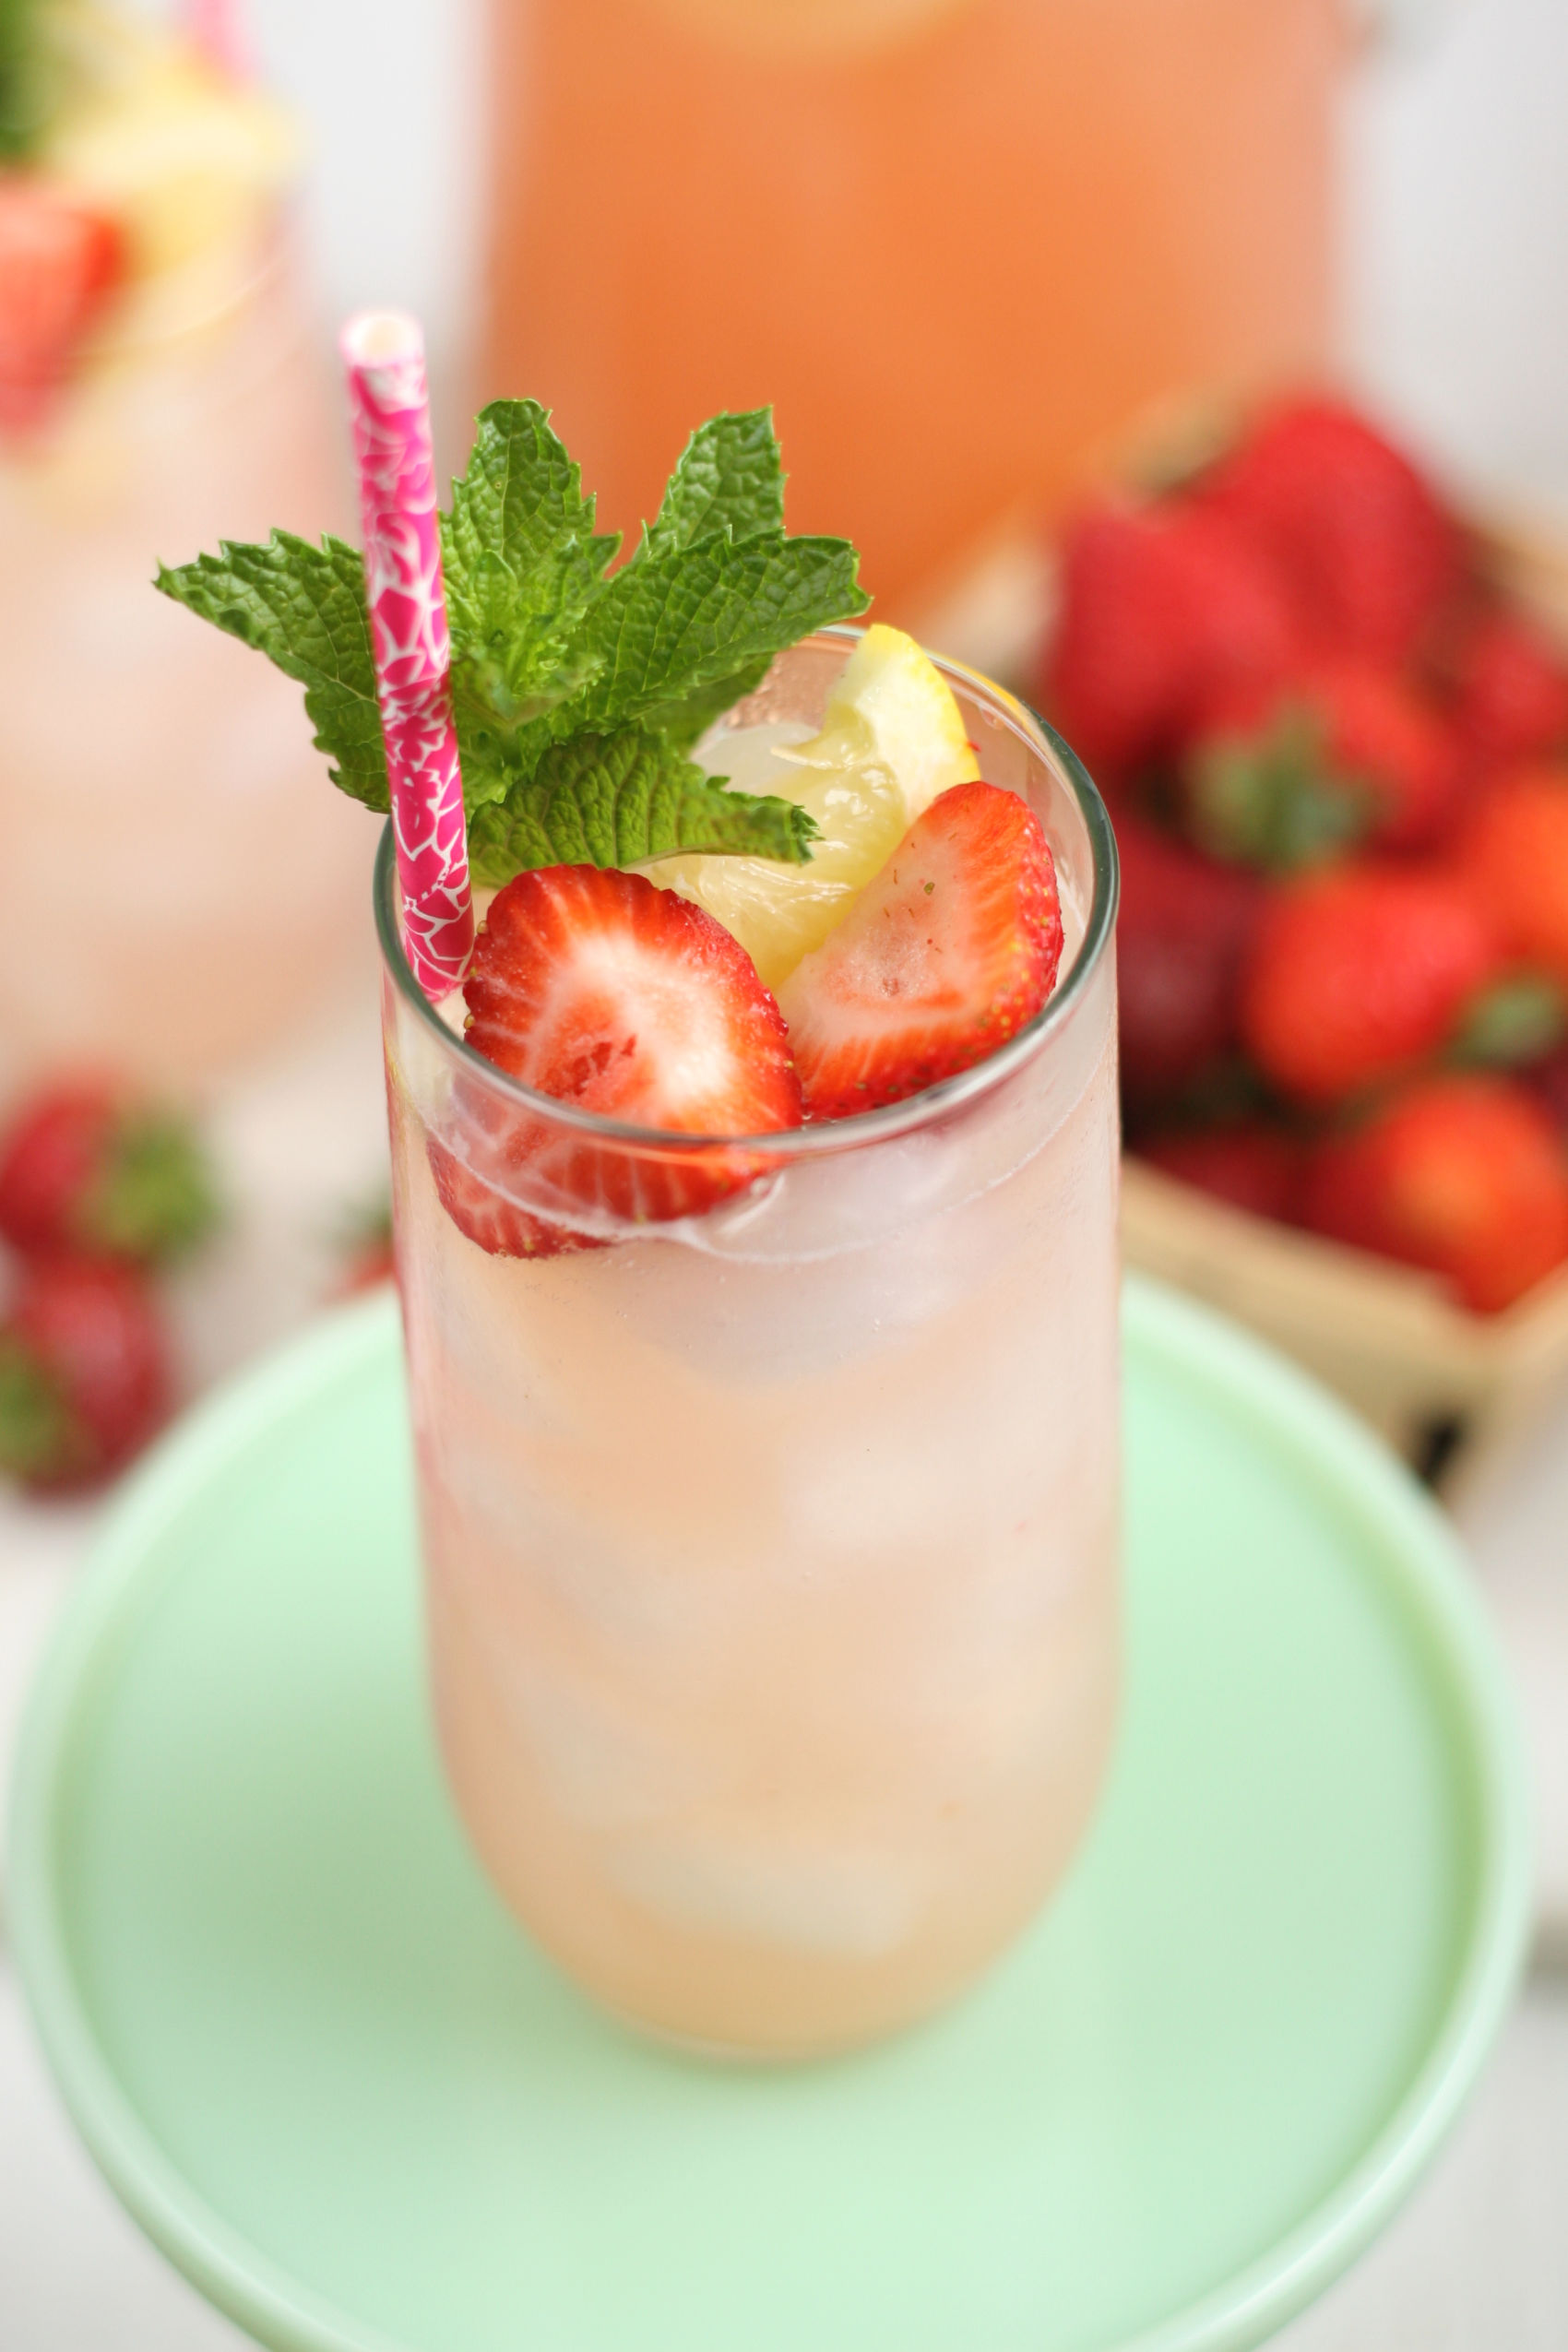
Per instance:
x=892, y=738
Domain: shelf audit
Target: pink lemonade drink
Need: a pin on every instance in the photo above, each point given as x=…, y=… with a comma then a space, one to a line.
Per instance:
x=771, y=1551
x=754, y=1195
x=161, y=802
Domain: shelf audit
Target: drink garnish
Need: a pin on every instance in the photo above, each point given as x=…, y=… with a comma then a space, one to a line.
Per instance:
x=579, y=691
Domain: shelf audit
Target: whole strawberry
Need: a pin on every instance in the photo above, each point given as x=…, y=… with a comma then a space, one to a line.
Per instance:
x=1243, y=1163
x=1345, y=750
x=1357, y=975
x=1511, y=693
x=1466, y=1176
x=84, y=1371
x=1181, y=935
x=1361, y=542
x=1513, y=853
x=85, y=1167
x=1162, y=609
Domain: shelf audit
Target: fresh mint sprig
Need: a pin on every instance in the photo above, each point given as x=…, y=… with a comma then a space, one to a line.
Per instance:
x=578, y=692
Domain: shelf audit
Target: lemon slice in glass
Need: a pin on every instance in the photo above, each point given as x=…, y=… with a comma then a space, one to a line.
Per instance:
x=892, y=738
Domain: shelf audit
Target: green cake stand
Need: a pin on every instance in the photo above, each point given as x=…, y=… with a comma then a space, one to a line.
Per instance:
x=333, y=2081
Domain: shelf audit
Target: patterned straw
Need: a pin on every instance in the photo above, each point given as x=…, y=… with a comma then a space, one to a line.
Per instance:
x=383, y=353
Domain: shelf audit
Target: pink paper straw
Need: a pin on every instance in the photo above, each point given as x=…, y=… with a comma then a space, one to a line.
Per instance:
x=383, y=353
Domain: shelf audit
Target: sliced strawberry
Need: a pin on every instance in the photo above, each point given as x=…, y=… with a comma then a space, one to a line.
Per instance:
x=629, y=1002
x=58, y=260
x=947, y=951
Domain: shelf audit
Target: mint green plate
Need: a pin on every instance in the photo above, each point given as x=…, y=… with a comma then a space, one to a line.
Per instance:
x=334, y=2084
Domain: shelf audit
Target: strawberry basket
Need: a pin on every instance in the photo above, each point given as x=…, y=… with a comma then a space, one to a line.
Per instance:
x=1443, y=1383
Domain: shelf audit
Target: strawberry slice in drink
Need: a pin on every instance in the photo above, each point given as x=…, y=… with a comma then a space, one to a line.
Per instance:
x=626, y=1002
x=945, y=954
x=58, y=261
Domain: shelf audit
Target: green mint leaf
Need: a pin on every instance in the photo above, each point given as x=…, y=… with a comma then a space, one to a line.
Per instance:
x=523, y=562
x=668, y=632
x=622, y=800
x=304, y=608
x=577, y=692
x=728, y=479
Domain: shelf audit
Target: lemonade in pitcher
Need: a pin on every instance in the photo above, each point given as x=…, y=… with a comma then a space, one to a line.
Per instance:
x=961, y=246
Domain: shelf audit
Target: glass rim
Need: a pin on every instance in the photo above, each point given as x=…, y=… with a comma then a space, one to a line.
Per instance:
x=862, y=1126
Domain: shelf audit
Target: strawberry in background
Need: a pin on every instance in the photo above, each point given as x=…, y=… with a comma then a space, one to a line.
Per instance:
x=85, y=1373
x=1163, y=612
x=1463, y=1175
x=1337, y=754
x=85, y=1165
x=1360, y=542
x=1185, y=924
x=99, y=1190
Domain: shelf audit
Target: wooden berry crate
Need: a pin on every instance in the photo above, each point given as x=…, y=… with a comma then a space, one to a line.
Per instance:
x=1442, y=1384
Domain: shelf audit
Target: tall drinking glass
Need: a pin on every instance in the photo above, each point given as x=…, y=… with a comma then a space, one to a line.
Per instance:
x=176, y=881
x=771, y=1556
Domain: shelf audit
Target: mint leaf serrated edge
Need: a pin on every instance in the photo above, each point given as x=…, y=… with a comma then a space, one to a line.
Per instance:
x=304, y=607
x=577, y=695
x=625, y=800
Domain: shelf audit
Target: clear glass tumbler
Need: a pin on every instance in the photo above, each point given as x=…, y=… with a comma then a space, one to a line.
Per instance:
x=177, y=879
x=771, y=1557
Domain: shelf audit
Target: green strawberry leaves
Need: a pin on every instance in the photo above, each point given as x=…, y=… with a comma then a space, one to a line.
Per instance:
x=577, y=691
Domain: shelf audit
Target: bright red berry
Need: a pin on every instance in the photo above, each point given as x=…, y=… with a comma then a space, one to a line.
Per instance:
x=1513, y=853
x=1511, y=692
x=84, y=1371
x=1360, y=537
x=627, y=1003
x=944, y=956
x=1161, y=610
x=1358, y=974
x=1181, y=933
x=84, y=1166
x=1245, y=1164
x=1466, y=1176
x=58, y=261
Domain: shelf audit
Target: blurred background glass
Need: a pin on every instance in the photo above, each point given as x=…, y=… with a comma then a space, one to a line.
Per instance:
x=176, y=883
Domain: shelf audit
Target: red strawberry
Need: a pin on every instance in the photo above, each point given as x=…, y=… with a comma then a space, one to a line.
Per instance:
x=1357, y=974
x=1183, y=930
x=627, y=1003
x=1248, y=1165
x=1160, y=610
x=945, y=954
x=83, y=1166
x=1360, y=537
x=58, y=260
x=1464, y=1175
x=1511, y=692
x=1512, y=854
x=365, y=1246
x=84, y=1371
x=1345, y=750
